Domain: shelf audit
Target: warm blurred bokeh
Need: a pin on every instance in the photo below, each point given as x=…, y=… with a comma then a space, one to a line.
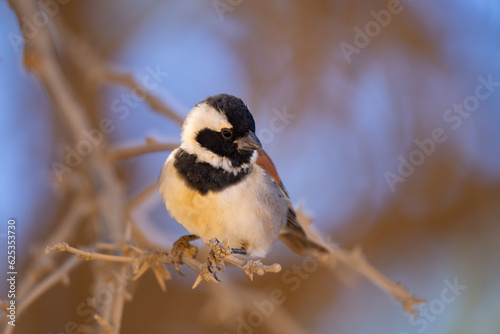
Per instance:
x=382, y=116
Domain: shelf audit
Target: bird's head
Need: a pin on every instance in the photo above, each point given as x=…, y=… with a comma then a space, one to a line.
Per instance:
x=220, y=130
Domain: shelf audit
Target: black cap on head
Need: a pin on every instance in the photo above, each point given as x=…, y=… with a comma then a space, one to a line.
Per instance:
x=235, y=110
x=231, y=145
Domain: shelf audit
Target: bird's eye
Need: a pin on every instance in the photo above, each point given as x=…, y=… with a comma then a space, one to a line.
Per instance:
x=226, y=133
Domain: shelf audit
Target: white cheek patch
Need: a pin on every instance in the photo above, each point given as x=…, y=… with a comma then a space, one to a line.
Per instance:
x=203, y=116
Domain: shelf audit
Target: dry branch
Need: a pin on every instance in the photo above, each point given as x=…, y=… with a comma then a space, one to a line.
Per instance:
x=356, y=261
x=59, y=275
x=150, y=147
x=228, y=302
x=128, y=80
x=136, y=201
x=78, y=209
x=94, y=66
x=41, y=59
x=142, y=260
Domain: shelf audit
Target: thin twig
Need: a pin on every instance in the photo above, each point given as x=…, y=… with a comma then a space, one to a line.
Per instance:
x=78, y=209
x=88, y=255
x=117, y=308
x=128, y=80
x=107, y=328
x=356, y=260
x=150, y=147
x=134, y=203
x=60, y=274
x=93, y=65
x=227, y=302
x=253, y=266
x=39, y=57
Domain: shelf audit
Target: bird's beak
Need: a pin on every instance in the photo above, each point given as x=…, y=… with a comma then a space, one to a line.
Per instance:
x=249, y=143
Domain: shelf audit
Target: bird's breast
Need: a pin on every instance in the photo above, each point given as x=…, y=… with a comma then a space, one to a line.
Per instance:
x=249, y=213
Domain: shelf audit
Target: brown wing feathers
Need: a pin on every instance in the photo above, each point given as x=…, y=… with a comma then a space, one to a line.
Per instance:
x=264, y=161
x=293, y=235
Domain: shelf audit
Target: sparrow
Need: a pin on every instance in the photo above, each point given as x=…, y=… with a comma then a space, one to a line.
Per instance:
x=221, y=184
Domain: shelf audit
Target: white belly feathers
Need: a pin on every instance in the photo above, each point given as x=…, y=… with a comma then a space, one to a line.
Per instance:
x=247, y=213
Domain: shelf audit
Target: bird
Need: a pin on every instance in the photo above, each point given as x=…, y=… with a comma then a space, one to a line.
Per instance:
x=220, y=183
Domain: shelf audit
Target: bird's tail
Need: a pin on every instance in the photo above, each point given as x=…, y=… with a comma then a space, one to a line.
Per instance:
x=302, y=245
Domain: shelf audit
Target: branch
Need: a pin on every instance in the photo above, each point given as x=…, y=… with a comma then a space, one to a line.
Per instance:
x=227, y=303
x=142, y=260
x=78, y=209
x=87, y=255
x=150, y=147
x=356, y=261
x=134, y=203
x=128, y=80
x=59, y=275
x=106, y=327
x=253, y=266
x=118, y=307
x=40, y=58
x=94, y=66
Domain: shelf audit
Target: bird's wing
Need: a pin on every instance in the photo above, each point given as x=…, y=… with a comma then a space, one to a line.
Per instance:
x=267, y=164
x=293, y=235
x=264, y=161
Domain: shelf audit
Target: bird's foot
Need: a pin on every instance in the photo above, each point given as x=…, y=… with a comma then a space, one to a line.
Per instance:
x=218, y=252
x=179, y=247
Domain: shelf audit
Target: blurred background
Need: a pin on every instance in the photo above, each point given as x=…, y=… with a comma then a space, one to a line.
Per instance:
x=382, y=118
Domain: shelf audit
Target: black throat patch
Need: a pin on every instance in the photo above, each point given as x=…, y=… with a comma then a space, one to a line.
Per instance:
x=204, y=177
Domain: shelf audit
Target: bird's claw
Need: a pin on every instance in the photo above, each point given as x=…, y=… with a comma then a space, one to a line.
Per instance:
x=179, y=247
x=218, y=252
x=213, y=265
